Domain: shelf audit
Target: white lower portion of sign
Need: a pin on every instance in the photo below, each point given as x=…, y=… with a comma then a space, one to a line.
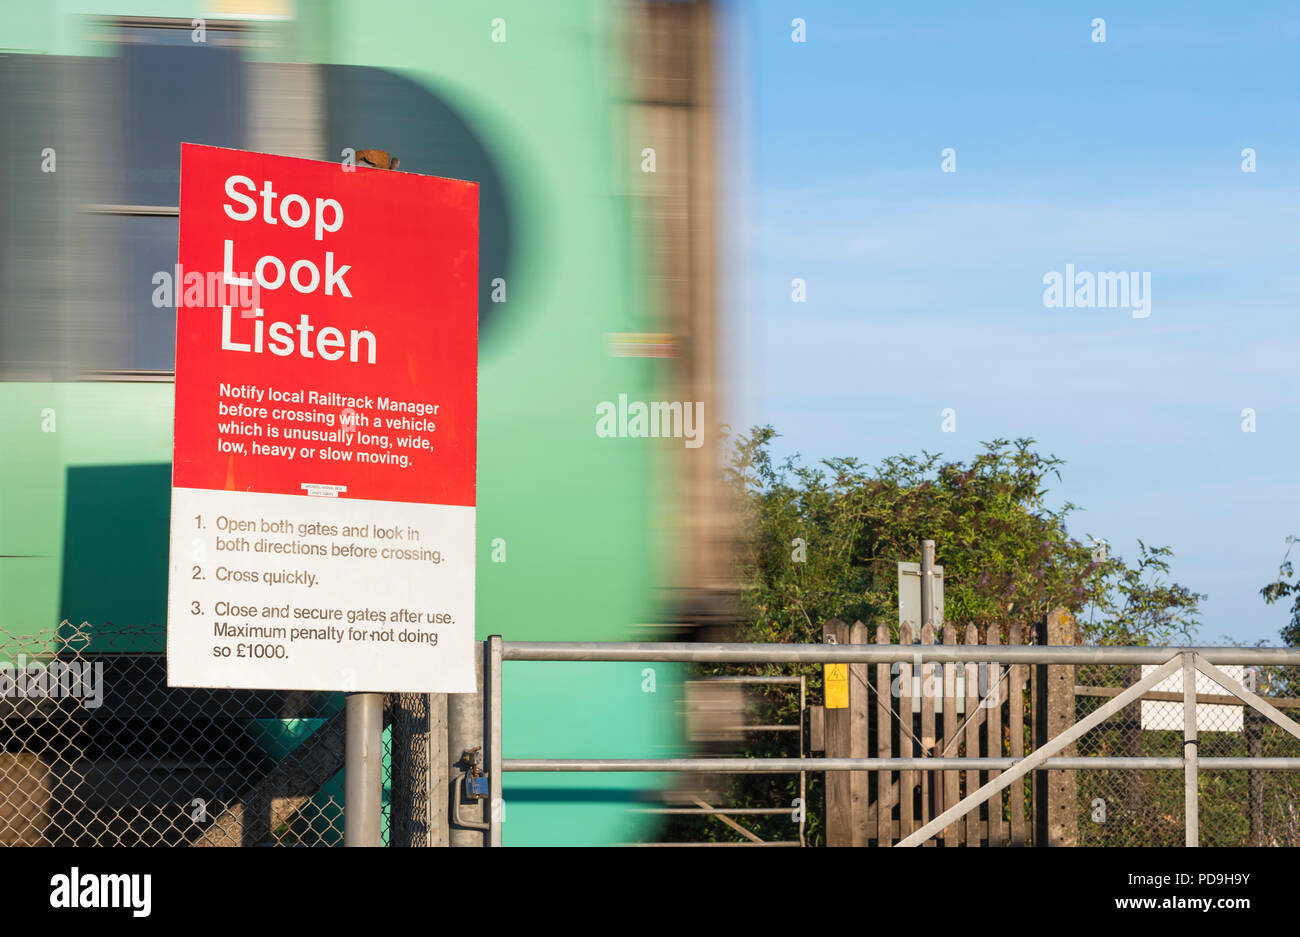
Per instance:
x=288, y=592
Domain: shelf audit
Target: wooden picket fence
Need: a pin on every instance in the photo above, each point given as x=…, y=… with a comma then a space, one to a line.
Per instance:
x=947, y=718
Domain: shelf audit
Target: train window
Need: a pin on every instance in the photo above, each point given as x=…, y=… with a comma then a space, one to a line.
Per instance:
x=173, y=93
x=111, y=210
x=150, y=248
x=172, y=88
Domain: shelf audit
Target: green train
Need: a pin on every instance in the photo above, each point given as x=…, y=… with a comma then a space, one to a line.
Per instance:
x=579, y=536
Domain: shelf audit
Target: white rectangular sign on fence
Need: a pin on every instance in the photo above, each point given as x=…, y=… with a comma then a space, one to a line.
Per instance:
x=1210, y=717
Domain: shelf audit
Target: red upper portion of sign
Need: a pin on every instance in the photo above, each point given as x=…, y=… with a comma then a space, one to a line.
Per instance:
x=410, y=248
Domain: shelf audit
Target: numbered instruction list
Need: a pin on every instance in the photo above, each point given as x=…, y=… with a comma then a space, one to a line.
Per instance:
x=282, y=589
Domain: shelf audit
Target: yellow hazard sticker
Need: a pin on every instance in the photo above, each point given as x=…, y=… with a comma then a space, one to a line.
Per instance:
x=837, y=686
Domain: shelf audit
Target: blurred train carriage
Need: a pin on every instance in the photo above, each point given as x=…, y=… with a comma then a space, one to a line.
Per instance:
x=597, y=280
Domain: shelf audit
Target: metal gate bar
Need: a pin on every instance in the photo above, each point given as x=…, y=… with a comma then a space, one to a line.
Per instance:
x=1168, y=659
x=788, y=765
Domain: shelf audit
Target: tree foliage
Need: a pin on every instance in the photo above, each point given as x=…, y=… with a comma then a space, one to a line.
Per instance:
x=1286, y=585
x=824, y=542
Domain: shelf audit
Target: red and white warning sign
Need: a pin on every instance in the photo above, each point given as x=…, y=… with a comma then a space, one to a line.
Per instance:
x=322, y=532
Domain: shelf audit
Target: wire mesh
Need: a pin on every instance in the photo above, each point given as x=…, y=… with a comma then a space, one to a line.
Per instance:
x=1145, y=807
x=99, y=751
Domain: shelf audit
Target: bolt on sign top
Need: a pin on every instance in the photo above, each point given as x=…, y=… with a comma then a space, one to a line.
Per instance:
x=323, y=479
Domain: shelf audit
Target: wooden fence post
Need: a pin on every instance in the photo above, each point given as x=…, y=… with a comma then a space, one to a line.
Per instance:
x=952, y=836
x=885, y=787
x=1252, y=723
x=973, y=835
x=1016, y=724
x=929, y=779
x=906, y=740
x=859, y=741
x=835, y=689
x=993, y=734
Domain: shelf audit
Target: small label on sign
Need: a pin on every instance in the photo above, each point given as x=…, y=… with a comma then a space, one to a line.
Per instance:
x=837, y=686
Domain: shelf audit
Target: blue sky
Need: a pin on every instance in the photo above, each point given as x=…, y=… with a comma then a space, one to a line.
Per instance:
x=925, y=288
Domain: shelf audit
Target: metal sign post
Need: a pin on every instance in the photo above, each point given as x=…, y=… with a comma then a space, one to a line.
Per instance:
x=362, y=781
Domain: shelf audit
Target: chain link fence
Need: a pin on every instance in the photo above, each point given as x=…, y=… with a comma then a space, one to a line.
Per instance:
x=99, y=751
x=1145, y=807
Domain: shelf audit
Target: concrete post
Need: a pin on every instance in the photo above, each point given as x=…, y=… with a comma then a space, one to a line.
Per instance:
x=1060, y=788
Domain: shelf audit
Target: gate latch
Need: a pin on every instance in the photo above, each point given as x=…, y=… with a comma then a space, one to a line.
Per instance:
x=476, y=785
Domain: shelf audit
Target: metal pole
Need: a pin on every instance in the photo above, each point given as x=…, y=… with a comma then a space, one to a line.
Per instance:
x=889, y=653
x=362, y=782
x=496, y=806
x=795, y=765
x=927, y=583
x=465, y=732
x=1191, y=802
x=363, y=794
